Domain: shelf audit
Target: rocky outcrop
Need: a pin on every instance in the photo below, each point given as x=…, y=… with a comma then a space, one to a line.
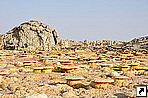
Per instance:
x=1, y=42
x=138, y=43
x=88, y=44
x=30, y=35
x=36, y=35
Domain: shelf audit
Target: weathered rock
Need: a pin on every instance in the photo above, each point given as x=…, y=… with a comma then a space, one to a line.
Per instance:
x=1, y=42
x=30, y=35
x=138, y=43
x=36, y=96
x=69, y=95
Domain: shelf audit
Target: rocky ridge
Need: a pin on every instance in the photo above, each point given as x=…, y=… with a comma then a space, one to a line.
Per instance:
x=35, y=35
x=141, y=43
x=137, y=44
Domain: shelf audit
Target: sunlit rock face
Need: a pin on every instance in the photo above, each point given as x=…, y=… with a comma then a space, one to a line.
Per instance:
x=32, y=35
x=141, y=42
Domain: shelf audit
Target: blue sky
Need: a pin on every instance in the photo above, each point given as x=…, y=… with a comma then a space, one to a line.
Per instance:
x=80, y=19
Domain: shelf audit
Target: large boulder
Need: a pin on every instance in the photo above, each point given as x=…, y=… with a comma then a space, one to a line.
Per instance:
x=30, y=35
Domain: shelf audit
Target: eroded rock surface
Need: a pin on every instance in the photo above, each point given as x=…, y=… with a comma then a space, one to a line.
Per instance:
x=141, y=42
x=31, y=35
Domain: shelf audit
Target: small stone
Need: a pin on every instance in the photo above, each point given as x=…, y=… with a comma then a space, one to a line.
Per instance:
x=69, y=95
x=36, y=96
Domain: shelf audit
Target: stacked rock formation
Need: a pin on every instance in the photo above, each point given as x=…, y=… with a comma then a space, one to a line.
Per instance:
x=30, y=35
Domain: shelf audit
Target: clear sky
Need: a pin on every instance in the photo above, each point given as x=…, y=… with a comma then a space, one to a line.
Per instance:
x=80, y=19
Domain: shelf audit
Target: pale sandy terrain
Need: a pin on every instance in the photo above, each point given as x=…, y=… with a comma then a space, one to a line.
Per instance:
x=72, y=74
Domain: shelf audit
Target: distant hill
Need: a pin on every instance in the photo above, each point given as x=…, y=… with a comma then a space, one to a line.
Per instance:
x=141, y=43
